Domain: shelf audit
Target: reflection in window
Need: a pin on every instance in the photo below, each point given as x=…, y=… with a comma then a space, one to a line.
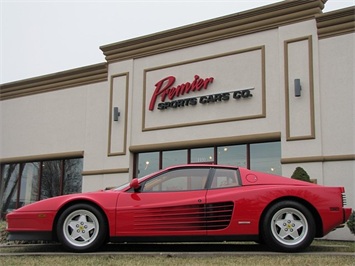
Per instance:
x=232, y=155
x=148, y=163
x=72, y=179
x=51, y=176
x=29, y=190
x=265, y=157
x=9, y=185
x=174, y=157
x=203, y=155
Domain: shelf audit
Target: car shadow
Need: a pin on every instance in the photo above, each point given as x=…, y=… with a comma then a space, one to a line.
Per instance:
x=142, y=247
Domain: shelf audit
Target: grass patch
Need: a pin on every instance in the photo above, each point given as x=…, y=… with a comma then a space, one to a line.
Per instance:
x=88, y=260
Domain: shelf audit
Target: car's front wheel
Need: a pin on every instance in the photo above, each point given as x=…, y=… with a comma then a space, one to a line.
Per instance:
x=82, y=228
x=288, y=226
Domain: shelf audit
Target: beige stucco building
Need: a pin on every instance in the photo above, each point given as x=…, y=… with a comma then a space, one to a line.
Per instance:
x=273, y=86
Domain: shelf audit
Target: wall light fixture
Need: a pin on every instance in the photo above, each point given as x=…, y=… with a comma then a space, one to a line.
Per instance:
x=298, y=88
x=116, y=113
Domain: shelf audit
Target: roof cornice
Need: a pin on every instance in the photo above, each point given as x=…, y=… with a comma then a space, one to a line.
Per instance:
x=336, y=23
x=247, y=22
x=56, y=81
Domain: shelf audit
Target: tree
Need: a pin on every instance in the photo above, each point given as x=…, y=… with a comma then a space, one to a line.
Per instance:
x=301, y=174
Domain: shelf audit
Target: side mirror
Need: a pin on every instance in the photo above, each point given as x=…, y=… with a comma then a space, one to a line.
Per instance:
x=134, y=184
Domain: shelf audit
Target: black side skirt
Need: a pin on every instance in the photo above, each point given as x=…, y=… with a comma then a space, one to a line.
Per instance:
x=155, y=239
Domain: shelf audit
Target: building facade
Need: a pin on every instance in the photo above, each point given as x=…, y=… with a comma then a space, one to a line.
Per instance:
x=270, y=89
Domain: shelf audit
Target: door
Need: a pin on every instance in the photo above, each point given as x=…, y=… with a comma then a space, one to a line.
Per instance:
x=170, y=204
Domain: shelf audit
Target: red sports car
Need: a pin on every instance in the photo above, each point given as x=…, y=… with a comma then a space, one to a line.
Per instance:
x=188, y=203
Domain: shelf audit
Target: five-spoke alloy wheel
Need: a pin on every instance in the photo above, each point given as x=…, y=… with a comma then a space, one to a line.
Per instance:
x=82, y=228
x=288, y=226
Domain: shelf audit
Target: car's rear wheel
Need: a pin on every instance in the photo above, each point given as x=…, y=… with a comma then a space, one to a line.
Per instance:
x=82, y=228
x=288, y=226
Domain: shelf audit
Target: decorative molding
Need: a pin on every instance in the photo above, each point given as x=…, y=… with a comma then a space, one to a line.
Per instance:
x=125, y=117
x=336, y=23
x=319, y=159
x=52, y=82
x=289, y=137
x=238, y=24
x=43, y=157
x=106, y=171
x=262, y=114
x=176, y=145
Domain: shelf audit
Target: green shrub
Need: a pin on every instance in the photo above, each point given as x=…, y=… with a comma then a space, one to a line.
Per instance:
x=301, y=174
x=351, y=223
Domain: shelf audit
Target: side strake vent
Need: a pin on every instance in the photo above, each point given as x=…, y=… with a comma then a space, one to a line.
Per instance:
x=218, y=215
x=213, y=216
x=344, y=198
x=176, y=218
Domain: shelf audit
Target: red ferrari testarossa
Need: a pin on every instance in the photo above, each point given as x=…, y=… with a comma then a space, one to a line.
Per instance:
x=189, y=203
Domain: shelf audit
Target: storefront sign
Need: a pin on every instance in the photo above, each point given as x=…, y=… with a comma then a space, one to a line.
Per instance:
x=164, y=90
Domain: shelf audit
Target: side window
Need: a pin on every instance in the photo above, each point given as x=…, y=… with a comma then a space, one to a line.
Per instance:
x=225, y=178
x=178, y=180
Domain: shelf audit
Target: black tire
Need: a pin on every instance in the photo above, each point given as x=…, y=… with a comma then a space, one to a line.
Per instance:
x=82, y=228
x=288, y=226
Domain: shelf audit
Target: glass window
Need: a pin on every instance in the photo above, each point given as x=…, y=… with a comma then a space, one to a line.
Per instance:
x=29, y=190
x=232, y=155
x=265, y=157
x=203, y=155
x=225, y=178
x=148, y=163
x=24, y=183
x=9, y=185
x=179, y=180
x=174, y=157
x=51, y=176
x=72, y=179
